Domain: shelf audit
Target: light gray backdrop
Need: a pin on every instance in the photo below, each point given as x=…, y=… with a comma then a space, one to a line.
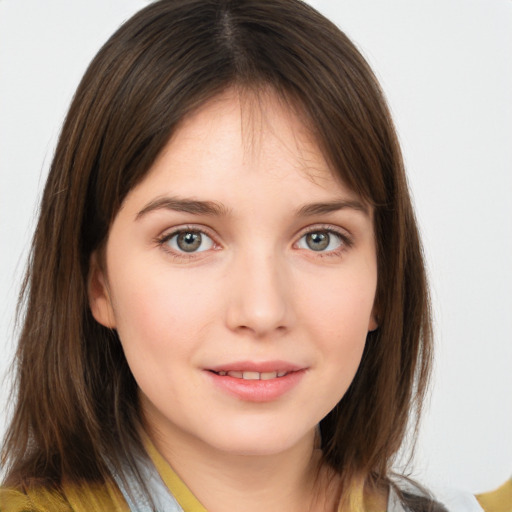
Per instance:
x=446, y=68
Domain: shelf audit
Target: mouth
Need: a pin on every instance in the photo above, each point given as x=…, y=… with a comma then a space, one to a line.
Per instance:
x=250, y=375
x=257, y=381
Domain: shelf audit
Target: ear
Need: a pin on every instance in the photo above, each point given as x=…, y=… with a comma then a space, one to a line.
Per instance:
x=98, y=293
x=373, y=324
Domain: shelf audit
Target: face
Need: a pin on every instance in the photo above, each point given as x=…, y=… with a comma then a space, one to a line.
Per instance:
x=240, y=275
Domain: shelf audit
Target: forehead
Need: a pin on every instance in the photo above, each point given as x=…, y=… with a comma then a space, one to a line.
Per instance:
x=243, y=143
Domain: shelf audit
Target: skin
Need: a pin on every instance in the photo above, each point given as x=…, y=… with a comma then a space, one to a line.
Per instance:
x=253, y=291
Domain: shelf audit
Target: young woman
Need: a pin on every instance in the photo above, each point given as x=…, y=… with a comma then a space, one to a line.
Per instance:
x=226, y=305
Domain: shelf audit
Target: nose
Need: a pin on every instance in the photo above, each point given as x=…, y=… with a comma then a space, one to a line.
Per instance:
x=258, y=295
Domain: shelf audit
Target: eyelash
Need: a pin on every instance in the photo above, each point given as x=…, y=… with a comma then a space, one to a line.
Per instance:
x=345, y=239
x=182, y=255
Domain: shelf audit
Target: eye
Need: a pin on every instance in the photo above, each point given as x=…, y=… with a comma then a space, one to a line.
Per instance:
x=322, y=240
x=189, y=241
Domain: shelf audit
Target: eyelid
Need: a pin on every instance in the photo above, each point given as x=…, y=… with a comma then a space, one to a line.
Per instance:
x=169, y=233
x=343, y=233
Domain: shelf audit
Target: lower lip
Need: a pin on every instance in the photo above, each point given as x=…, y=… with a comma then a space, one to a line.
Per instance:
x=257, y=390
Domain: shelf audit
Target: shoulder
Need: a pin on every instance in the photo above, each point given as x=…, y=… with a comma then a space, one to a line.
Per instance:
x=408, y=496
x=71, y=499
x=499, y=500
x=37, y=500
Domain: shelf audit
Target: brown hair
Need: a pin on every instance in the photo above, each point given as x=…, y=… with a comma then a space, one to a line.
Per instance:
x=76, y=406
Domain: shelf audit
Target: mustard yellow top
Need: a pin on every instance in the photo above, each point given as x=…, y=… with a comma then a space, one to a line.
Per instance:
x=183, y=495
x=499, y=500
x=107, y=497
x=90, y=497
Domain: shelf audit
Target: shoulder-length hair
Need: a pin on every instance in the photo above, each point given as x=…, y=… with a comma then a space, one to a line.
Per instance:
x=76, y=412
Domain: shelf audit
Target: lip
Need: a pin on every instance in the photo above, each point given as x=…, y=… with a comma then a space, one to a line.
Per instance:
x=255, y=366
x=256, y=390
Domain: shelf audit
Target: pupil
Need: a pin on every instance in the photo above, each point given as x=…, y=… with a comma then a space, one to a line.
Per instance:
x=317, y=241
x=189, y=241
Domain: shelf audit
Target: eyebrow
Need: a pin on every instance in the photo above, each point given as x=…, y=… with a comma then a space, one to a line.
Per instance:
x=216, y=209
x=193, y=206
x=309, y=210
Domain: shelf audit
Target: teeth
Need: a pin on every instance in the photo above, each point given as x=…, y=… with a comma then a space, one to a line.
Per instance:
x=252, y=375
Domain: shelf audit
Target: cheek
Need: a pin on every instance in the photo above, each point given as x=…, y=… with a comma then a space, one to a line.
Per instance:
x=341, y=307
x=158, y=315
x=338, y=316
x=161, y=323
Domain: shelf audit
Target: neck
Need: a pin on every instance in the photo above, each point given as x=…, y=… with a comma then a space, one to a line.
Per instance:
x=288, y=481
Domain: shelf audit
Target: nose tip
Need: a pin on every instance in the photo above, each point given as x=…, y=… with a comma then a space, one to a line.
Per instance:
x=259, y=319
x=258, y=301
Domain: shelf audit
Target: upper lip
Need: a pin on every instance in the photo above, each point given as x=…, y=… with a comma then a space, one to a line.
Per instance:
x=255, y=366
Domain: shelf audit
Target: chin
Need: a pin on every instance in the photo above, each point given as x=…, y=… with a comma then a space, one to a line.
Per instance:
x=258, y=442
